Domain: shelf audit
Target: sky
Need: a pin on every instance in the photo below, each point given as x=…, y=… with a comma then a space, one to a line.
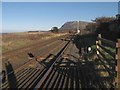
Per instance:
x=60, y=0
x=25, y=16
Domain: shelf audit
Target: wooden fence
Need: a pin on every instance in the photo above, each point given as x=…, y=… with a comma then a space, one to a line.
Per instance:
x=109, y=53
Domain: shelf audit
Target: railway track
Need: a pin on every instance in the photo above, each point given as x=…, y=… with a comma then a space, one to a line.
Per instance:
x=26, y=76
x=21, y=57
x=49, y=68
x=63, y=74
x=70, y=72
x=61, y=69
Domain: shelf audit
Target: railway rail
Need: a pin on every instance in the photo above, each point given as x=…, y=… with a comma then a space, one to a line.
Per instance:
x=60, y=68
x=20, y=55
x=49, y=69
x=27, y=76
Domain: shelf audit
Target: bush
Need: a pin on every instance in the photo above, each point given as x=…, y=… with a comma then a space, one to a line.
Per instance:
x=54, y=30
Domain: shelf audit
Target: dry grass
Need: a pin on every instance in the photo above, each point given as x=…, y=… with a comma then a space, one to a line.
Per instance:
x=16, y=40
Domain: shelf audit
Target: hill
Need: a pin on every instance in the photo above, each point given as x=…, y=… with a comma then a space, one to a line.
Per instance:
x=73, y=25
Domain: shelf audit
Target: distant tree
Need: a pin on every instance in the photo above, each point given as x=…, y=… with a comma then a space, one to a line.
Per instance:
x=100, y=20
x=108, y=27
x=102, y=23
x=54, y=29
x=91, y=27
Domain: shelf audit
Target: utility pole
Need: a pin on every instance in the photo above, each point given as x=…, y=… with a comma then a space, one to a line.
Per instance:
x=78, y=30
x=119, y=7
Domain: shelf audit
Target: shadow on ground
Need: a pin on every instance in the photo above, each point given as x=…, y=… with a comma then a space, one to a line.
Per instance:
x=11, y=76
x=82, y=74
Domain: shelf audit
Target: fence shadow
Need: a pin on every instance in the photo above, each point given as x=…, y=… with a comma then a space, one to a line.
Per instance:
x=47, y=61
x=12, y=81
x=80, y=75
x=77, y=73
x=83, y=74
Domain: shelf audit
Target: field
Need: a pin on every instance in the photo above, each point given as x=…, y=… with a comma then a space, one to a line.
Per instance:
x=17, y=40
x=15, y=46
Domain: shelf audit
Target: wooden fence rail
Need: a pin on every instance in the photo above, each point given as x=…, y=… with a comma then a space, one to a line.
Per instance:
x=110, y=57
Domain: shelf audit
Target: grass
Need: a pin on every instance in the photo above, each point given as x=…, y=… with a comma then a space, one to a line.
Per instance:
x=18, y=40
x=113, y=50
x=106, y=63
x=14, y=44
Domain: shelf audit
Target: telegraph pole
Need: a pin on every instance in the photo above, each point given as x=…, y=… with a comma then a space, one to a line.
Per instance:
x=119, y=7
x=78, y=30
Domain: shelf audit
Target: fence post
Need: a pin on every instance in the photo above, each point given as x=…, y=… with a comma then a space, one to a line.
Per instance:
x=117, y=78
x=97, y=47
x=99, y=35
x=98, y=42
